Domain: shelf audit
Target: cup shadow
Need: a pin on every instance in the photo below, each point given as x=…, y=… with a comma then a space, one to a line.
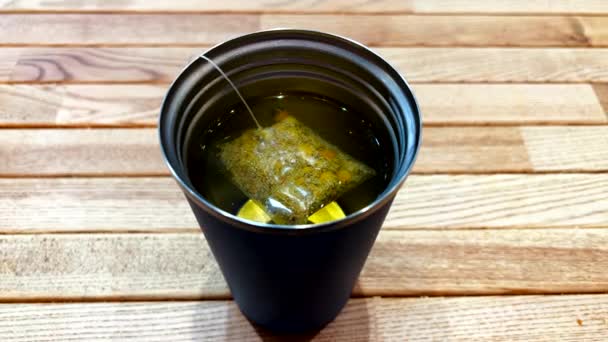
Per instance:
x=354, y=323
x=223, y=321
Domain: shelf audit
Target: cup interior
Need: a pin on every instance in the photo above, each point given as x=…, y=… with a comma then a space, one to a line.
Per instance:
x=291, y=61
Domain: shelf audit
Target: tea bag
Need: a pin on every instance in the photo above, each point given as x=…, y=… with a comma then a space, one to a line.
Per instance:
x=290, y=171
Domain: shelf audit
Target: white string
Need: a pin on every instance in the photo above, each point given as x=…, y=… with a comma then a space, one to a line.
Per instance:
x=234, y=87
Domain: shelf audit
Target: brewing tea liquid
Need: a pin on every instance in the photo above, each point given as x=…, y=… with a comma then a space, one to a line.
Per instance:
x=333, y=122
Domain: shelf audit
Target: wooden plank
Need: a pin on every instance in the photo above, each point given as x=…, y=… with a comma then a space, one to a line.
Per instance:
x=86, y=152
x=86, y=105
x=8, y=62
x=468, y=104
x=298, y=6
x=136, y=65
x=166, y=321
x=190, y=29
x=180, y=266
x=501, y=201
x=93, y=205
x=545, y=149
x=595, y=30
x=112, y=29
x=509, y=104
x=516, y=318
x=469, y=149
x=310, y=6
x=425, y=202
x=512, y=318
x=512, y=6
x=453, y=30
x=550, y=148
x=499, y=65
x=486, y=262
x=117, y=152
x=601, y=91
x=50, y=65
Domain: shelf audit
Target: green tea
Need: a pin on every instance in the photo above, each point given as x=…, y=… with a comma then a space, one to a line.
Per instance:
x=311, y=152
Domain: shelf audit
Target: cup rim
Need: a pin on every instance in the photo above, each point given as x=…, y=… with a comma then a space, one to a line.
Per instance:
x=385, y=196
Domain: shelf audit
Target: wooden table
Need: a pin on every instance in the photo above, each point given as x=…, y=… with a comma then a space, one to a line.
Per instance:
x=500, y=234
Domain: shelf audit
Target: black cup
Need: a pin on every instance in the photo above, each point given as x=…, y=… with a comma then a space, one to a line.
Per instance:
x=291, y=278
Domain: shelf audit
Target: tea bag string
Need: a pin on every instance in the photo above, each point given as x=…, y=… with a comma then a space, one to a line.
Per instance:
x=233, y=87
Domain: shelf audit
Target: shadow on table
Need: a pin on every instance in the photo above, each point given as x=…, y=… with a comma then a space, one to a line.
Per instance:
x=355, y=323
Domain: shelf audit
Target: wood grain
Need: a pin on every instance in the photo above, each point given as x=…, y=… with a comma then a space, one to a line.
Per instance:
x=552, y=148
x=312, y=6
x=111, y=29
x=513, y=318
x=85, y=105
x=86, y=152
x=517, y=318
x=298, y=6
x=486, y=262
x=470, y=104
x=510, y=6
x=169, y=321
x=191, y=29
x=601, y=91
x=595, y=29
x=499, y=65
x=425, y=202
x=453, y=30
x=137, y=65
x=49, y=65
x=180, y=266
x=94, y=205
x=501, y=201
x=120, y=152
x=509, y=104
x=469, y=149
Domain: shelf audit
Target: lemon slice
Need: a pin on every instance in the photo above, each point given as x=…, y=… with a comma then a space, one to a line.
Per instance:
x=331, y=212
x=251, y=211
